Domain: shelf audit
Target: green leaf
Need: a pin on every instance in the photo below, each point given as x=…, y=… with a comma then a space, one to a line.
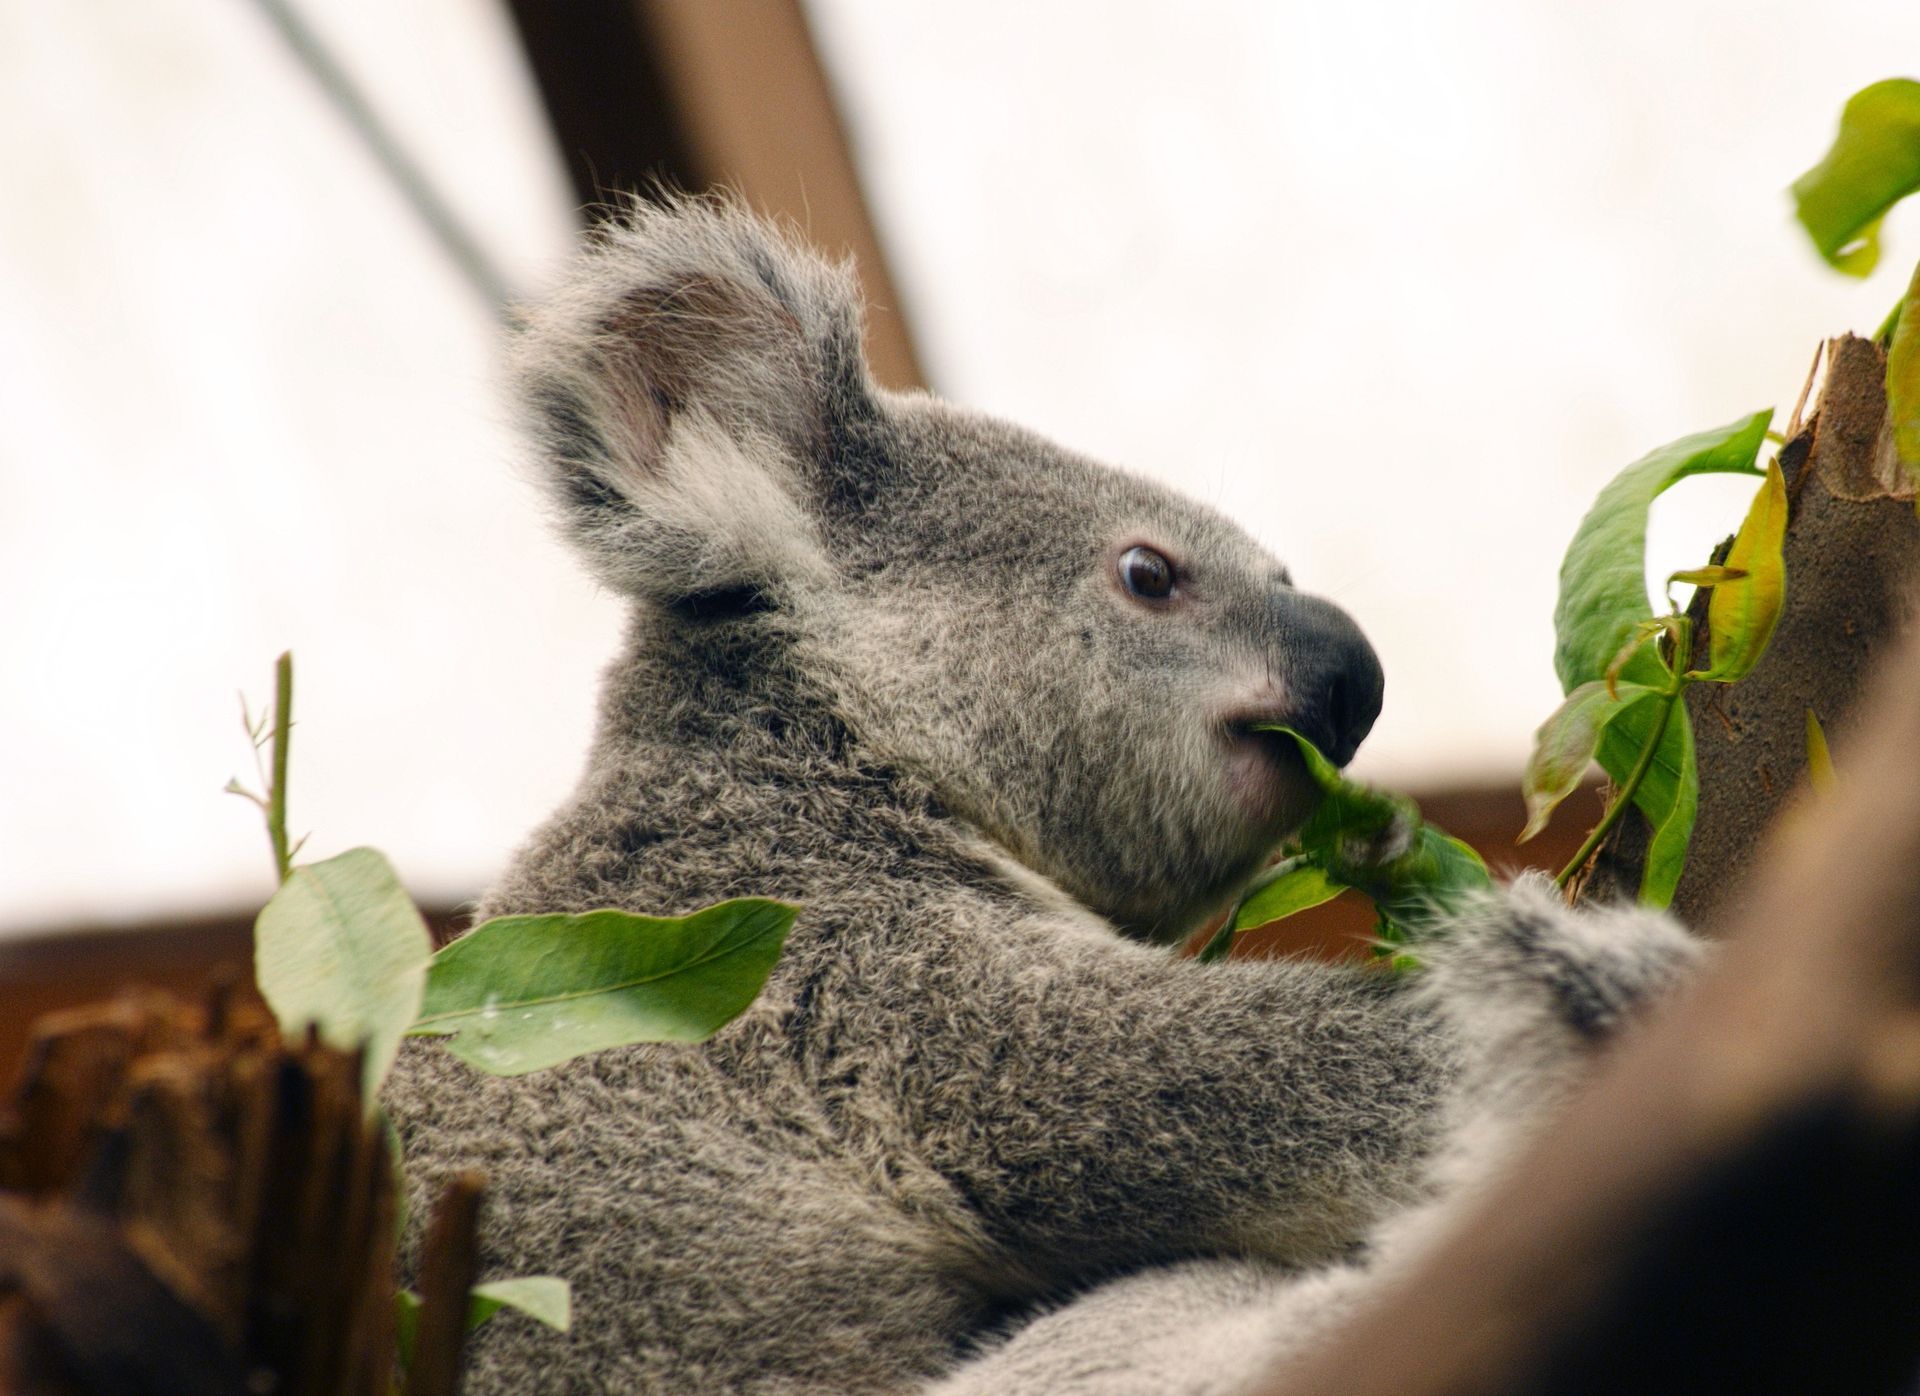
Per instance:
x=544, y=1297
x=1873, y=164
x=1820, y=773
x=1741, y=614
x=1903, y=379
x=1603, y=587
x=1300, y=885
x=527, y=992
x=341, y=945
x=1565, y=744
x=1291, y=885
x=1669, y=793
x=547, y=1298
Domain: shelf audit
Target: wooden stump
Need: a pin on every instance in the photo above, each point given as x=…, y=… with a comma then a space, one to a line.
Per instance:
x=190, y=1205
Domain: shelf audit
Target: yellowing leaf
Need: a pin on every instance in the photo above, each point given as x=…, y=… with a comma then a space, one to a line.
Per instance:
x=1706, y=576
x=1742, y=614
x=1565, y=744
x=544, y=1297
x=1820, y=773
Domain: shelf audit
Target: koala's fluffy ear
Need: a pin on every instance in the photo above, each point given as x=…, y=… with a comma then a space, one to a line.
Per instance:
x=682, y=386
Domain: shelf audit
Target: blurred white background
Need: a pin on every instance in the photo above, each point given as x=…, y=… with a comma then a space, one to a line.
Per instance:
x=1398, y=286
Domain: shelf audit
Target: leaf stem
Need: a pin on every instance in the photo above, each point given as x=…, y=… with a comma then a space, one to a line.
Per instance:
x=277, y=786
x=1628, y=788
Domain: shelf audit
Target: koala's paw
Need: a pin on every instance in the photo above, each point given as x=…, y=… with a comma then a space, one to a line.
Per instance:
x=1358, y=855
x=1526, y=981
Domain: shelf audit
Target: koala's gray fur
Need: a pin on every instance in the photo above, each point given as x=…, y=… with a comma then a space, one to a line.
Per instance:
x=880, y=665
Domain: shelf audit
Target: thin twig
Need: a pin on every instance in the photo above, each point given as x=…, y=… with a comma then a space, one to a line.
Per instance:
x=1627, y=790
x=277, y=787
x=460, y=246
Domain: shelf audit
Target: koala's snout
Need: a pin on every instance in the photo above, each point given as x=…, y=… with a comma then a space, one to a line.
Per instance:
x=1333, y=677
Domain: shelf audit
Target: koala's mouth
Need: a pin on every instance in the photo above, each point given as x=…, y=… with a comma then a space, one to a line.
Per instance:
x=1265, y=774
x=1257, y=731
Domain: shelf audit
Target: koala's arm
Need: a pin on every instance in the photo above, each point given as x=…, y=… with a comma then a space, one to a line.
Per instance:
x=1109, y=1105
x=1521, y=989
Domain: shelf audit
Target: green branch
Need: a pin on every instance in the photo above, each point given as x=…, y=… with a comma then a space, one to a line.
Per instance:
x=277, y=786
x=1628, y=788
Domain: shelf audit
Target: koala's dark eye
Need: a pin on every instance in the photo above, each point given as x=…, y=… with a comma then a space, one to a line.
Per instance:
x=1146, y=574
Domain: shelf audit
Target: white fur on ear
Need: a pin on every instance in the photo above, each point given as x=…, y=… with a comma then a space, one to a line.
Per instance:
x=715, y=511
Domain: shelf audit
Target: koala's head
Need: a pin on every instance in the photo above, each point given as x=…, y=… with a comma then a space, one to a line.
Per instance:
x=1072, y=658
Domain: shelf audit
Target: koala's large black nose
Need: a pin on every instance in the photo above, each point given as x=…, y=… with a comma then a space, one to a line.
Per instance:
x=1332, y=675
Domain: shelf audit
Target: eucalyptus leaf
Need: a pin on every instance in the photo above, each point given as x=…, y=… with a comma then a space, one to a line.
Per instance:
x=1742, y=613
x=1565, y=744
x=1300, y=886
x=1603, y=588
x=341, y=945
x=1424, y=885
x=521, y=993
x=544, y=1297
x=1874, y=162
x=1293, y=884
x=547, y=1298
x=1348, y=811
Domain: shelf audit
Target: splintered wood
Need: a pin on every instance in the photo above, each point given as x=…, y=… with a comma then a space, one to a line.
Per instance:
x=188, y=1204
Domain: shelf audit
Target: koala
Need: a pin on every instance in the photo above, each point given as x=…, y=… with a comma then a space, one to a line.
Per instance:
x=985, y=711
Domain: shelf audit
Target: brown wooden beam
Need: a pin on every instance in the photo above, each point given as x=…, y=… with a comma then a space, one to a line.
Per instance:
x=606, y=99
x=706, y=94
